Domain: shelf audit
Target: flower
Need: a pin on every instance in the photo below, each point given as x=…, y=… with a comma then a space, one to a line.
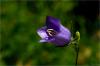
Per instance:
x=54, y=32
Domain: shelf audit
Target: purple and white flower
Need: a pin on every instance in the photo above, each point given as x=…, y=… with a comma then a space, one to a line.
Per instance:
x=54, y=32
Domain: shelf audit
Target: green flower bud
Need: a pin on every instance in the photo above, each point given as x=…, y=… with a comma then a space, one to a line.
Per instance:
x=77, y=35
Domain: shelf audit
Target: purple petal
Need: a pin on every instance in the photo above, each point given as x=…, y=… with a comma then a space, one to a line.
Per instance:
x=63, y=37
x=52, y=23
x=46, y=40
x=42, y=32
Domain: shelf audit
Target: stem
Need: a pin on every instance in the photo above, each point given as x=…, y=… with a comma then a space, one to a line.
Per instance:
x=77, y=51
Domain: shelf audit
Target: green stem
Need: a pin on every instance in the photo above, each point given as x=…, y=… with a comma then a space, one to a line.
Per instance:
x=77, y=51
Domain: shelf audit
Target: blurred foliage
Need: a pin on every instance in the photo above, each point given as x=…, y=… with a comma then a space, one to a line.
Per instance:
x=19, y=41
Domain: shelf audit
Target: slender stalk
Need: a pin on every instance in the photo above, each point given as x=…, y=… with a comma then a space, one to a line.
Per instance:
x=77, y=51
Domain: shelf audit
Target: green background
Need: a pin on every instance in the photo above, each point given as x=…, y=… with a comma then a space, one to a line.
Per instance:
x=19, y=21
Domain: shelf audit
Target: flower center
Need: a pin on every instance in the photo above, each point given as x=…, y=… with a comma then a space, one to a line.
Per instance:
x=51, y=32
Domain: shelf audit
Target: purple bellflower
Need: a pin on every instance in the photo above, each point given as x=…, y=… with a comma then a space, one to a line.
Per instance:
x=54, y=32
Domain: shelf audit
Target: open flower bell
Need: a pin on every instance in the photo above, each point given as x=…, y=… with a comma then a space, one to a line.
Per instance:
x=54, y=32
